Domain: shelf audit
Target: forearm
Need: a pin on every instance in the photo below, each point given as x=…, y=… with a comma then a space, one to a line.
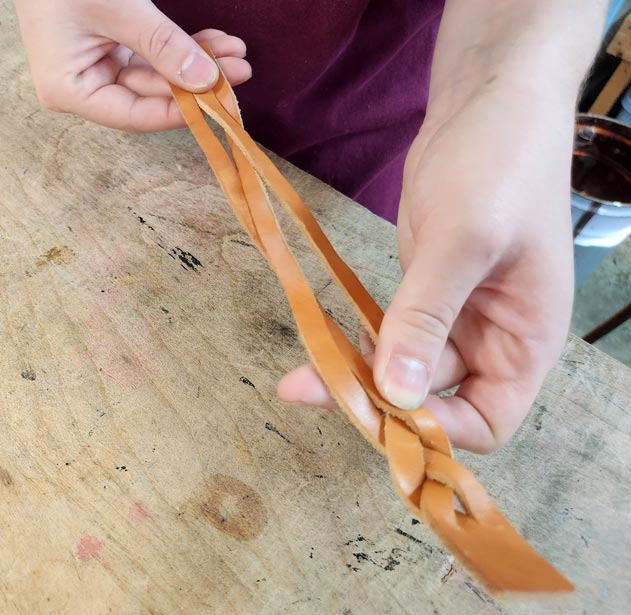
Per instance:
x=536, y=49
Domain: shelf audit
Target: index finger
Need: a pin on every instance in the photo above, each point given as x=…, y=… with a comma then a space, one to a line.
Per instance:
x=115, y=106
x=484, y=413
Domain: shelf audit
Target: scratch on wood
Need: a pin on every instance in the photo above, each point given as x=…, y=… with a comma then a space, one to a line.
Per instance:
x=482, y=596
x=241, y=242
x=418, y=541
x=448, y=574
x=273, y=429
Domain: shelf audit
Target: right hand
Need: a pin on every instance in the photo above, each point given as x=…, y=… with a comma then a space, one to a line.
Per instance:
x=110, y=61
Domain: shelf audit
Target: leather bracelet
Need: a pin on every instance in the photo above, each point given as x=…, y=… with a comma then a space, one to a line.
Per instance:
x=425, y=475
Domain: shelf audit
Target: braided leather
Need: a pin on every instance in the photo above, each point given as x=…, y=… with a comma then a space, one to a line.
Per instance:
x=425, y=475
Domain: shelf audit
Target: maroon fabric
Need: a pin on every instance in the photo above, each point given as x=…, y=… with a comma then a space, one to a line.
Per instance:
x=339, y=87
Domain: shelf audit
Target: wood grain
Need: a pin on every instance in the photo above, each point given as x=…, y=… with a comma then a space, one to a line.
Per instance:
x=146, y=465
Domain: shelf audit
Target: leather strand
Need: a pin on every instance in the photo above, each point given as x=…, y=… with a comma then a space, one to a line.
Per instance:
x=424, y=473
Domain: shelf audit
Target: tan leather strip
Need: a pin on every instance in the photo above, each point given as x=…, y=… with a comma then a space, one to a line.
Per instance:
x=367, y=309
x=425, y=475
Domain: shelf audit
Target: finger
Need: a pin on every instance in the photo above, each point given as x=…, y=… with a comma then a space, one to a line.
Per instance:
x=173, y=53
x=451, y=369
x=441, y=275
x=122, y=55
x=207, y=34
x=303, y=386
x=236, y=70
x=484, y=413
x=137, y=60
x=145, y=81
x=115, y=106
x=480, y=418
x=222, y=44
x=102, y=100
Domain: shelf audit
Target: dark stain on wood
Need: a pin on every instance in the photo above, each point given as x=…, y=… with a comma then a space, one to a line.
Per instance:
x=58, y=255
x=103, y=179
x=538, y=417
x=187, y=260
x=287, y=333
x=245, y=380
x=233, y=507
x=377, y=557
x=5, y=478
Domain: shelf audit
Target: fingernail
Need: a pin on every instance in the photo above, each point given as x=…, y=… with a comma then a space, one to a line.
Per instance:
x=406, y=382
x=199, y=71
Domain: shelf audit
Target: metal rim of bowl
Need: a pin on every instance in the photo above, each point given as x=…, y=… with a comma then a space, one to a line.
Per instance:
x=609, y=120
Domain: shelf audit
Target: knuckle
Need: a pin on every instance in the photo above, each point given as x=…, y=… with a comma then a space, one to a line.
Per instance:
x=208, y=33
x=493, y=440
x=485, y=245
x=434, y=322
x=494, y=443
x=486, y=448
x=130, y=125
x=47, y=98
x=156, y=42
x=235, y=45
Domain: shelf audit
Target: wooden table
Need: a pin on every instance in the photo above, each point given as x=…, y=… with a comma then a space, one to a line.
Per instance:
x=146, y=465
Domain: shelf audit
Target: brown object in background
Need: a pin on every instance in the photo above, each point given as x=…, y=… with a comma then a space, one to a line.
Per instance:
x=609, y=325
x=620, y=47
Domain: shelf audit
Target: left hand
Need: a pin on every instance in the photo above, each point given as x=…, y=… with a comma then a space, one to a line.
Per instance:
x=111, y=61
x=486, y=248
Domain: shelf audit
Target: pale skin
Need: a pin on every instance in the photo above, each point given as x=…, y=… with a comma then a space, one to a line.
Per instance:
x=484, y=221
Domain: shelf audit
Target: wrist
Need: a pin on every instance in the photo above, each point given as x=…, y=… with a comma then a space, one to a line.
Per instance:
x=536, y=50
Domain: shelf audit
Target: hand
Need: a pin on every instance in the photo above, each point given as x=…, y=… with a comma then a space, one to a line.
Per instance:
x=109, y=61
x=485, y=243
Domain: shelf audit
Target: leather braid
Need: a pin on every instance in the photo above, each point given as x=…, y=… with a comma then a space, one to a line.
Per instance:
x=422, y=467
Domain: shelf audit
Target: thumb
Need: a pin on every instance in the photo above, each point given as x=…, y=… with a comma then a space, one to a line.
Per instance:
x=415, y=326
x=170, y=51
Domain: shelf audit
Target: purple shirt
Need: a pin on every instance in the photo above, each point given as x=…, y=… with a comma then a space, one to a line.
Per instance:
x=339, y=87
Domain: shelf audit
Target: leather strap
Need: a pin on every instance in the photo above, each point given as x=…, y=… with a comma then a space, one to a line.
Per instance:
x=427, y=478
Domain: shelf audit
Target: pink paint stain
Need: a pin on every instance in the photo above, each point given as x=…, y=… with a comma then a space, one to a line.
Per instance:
x=139, y=511
x=88, y=547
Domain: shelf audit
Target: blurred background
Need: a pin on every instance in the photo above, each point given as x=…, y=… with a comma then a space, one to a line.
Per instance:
x=603, y=270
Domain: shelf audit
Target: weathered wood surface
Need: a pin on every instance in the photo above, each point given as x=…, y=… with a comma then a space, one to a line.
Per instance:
x=146, y=465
